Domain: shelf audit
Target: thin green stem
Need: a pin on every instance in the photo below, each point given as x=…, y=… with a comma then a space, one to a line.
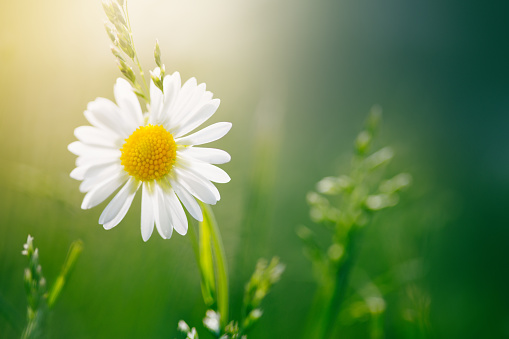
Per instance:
x=36, y=321
x=341, y=282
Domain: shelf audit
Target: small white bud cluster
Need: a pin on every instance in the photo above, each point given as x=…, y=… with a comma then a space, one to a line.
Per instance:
x=211, y=321
x=365, y=137
x=28, y=246
x=191, y=333
x=320, y=207
x=35, y=283
x=262, y=280
x=334, y=185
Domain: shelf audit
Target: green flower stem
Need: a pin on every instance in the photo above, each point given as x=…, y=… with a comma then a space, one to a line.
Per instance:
x=377, y=326
x=340, y=282
x=220, y=263
x=332, y=291
x=36, y=321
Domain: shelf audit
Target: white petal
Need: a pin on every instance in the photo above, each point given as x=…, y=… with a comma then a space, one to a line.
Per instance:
x=96, y=161
x=188, y=101
x=147, y=210
x=93, y=179
x=208, y=134
x=201, y=188
x=97, y=169
x=78, y=173
x=210, y=155
x=103, y=190
x=211, y=172
x=178, y=214
x=97, y=137
x=91, y=169
x=198, y=117
x=188, y=200
x=76, y=148
x=164, y=217
x=104, y=114
x=171, y=86
x=186, y=92
x=119, y=205
x=81, y=149
x=130, y=109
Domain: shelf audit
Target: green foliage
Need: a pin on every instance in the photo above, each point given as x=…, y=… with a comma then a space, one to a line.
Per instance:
x=352, y=200
x=39, y=301
x=35, y=287
x=72, y=256
x=262, y=280
x=210, y=255
x=213, y=265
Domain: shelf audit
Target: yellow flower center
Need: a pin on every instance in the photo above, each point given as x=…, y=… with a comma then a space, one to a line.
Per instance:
x=149, y=153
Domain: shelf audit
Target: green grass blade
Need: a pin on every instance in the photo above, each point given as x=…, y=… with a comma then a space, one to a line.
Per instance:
x=74, y=252
x=206, y=263
x=220, y=264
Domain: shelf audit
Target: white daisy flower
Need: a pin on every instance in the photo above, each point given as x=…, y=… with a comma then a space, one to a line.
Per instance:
x=124, y=148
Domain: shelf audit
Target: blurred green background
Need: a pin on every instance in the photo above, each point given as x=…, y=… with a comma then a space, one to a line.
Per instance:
x=296, y=78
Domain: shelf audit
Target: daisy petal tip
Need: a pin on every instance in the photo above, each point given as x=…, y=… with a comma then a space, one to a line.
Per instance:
x=122, y=82
x=109, y=225
x=227, y=127
x=73, y=147
x=76, y=131
x=145, y=237
x=166, y=236
x=92, y=105
x=76, y=174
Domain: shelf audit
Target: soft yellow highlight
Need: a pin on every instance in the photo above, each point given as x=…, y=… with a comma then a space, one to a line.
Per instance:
x=149, y=153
